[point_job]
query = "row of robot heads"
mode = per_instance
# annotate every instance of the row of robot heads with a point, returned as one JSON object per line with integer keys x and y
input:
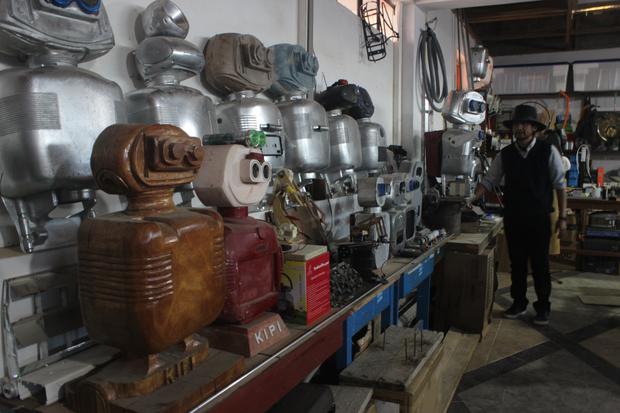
{"x": 79, "y": 31}
{"x": 52, "y": 32}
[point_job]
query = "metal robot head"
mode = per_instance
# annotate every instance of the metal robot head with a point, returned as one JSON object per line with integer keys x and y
{"x": 237, "y": 62}
{"x": 78, "y": 30}
{"x": 295, "y": 69}
{"x": 464, "y": 108}
{"x": 176, "y": 57}
{"x": 164, "y": 18}
{"x": 131, "y": 159}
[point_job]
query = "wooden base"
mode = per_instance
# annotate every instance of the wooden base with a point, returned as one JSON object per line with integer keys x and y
{"x": 248, "y": 339}
{"x": 405, "y": 377}
{"x": 178, "y": 381}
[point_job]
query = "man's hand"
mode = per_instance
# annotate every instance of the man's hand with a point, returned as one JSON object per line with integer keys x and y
{"x": 561, "y": 227}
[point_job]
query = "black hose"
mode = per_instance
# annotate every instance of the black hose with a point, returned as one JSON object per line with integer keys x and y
{"x": 430, "y": 61}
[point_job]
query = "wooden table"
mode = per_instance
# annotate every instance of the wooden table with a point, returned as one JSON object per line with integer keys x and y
{"x": 584, "y": 205}
{"x": 466, "y": 283}
{"x": 402, "y": 276}
{"x": 276, "y": 371}
{"x": 475, "y": 236}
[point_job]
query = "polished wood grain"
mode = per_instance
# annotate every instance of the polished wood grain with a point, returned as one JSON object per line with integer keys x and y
{"x": 151, "y": 275}
{"x": 182, "y": 381}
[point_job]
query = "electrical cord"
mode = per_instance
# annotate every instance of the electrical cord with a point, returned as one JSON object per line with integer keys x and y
{"x": 432, "y": 66}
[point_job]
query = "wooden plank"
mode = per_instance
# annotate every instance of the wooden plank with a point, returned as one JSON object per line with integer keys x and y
{"x": 608, "y": 300}
{"x": 472, "y": 243}
{"x": 600, "y": 291}
{"x": 421, "y": 395}
{"x": 587, "y": 203}
{"x": 475, "y": 237}
{"x": 350, "y": 399}
{"x": 401, "y": 360}
{"x": 591, "y": 253}
{"x": 457, "y": 353}
{"x": 216, "y": 372}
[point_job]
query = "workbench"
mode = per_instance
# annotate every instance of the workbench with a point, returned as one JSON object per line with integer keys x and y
{"x": 275, "y": 371}
{"x": 271, "y": 374}
{"x": 475, "y": 236}
{"x": 403, "y": 275}
{"x": 584, "y": 206}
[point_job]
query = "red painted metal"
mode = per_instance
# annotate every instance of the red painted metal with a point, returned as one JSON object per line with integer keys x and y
{"x": 253, "y": 266}
{"x": 262, "y": 392}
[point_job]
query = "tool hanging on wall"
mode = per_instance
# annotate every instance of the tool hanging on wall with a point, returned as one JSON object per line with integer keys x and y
{"x": 432, "y": 69}
{"x": 377, "y": 24}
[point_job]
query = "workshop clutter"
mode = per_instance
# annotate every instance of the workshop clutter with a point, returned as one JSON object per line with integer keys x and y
{"x": 172, "y": 286}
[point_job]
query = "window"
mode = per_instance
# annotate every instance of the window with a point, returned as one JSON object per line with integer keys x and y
{"x": 388, "y": 5}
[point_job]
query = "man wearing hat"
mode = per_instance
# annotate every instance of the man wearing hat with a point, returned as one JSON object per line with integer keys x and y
{"x": 532, "y": 170}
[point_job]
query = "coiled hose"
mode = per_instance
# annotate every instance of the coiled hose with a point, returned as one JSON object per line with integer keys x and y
{"x": 430, "y": 62}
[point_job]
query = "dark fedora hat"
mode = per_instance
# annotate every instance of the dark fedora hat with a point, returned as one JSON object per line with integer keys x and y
{"x": 525, "y": 114}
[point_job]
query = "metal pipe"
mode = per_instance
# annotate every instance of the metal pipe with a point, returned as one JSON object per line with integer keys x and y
{"x": 593, "y": 9}
{"x": 310, "y": 27}
{"x": 202, "y": 407}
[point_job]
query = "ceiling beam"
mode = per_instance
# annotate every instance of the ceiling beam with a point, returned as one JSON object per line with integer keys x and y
{"x": 514, "y": 15}
{"x": 489, "y": 38}
{"x": 427, "y": 5}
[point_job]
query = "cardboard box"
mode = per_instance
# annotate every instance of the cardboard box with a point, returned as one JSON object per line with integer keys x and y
{"x": 308, "y": 269}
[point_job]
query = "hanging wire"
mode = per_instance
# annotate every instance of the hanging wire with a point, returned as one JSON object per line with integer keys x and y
{"x": 432, "y": 67}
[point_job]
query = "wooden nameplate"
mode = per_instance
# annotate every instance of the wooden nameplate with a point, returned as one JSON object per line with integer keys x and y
{"x": 176, "y": 383}
{"x": 248, "y": 339}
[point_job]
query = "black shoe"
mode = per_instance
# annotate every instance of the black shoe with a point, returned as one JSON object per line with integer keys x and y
{"x": 515, "y": 311}
{"x": 542, "y": 318}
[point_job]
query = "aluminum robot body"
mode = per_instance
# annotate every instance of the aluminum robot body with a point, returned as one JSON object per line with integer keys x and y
{"x": 163, "y": 61}
{"x": 243, "y": 112}
{"x": 307, "y": 143}
{"x": 305, "y": 121}
{"x": 344, "y": 135}
{"x": 372, "y": 136}
{"x": 52, "y": 116}
{"x": 52, "y": 112}
{"x": 177, "y": 105}
{"x": 460, "y": 162}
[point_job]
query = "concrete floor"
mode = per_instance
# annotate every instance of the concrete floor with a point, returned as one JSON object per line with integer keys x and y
{"x": 572, "y": 365}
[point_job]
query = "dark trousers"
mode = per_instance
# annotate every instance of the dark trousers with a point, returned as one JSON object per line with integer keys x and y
{"x": 528, "y": 240}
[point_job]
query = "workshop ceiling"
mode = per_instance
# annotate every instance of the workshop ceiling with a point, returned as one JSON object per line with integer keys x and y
{"x": 546, "y": 26}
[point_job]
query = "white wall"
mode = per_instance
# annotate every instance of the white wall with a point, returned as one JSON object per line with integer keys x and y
{"x": 338, "y": 44}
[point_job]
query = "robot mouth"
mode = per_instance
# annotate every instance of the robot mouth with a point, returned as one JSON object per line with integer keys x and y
{"x": 87, "y": 6}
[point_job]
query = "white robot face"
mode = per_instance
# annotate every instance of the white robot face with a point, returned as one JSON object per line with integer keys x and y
{"x": 232, "y": 176}
{"x": 465, "y": 108}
